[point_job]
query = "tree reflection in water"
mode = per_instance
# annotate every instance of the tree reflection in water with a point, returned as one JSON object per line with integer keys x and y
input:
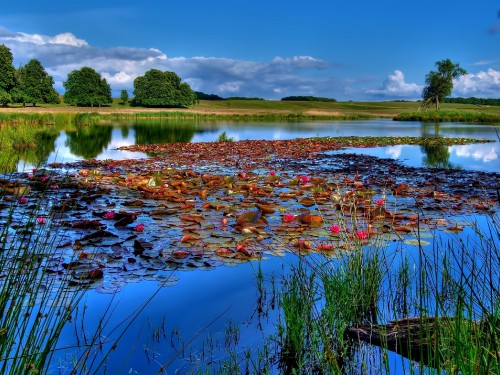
{"x": 89, "y": 141}
{"x": 435, "y": 156}
{"x": 163, "y": 132}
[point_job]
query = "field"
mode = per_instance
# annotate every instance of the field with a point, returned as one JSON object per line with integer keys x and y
{"x": 269, "y": 107}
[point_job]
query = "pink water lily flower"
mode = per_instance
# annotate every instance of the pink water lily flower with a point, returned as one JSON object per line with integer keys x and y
{"x": 23, "y": 200}
{"x": 362, "y": 235}
{"x": 109, "y": 215}
{"x": 272, "y": 173}
{"x": 380, "y": 202}
{"x": 139, "y": 227}
{"x": 304, "y": 179}
{"x": 41, "y": 220}
{"x": 288, "y": 218}
{"x": 335, "y": 229}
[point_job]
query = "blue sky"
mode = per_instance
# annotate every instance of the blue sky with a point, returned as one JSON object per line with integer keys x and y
{"x": 348, "y": 50}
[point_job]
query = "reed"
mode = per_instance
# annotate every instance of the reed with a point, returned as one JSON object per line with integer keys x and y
{"x": 449, "y": 116}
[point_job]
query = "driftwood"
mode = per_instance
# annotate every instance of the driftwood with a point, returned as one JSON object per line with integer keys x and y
{"x": 419, "y": 338}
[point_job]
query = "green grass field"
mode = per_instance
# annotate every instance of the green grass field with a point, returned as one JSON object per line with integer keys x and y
{"x": 305, "y": 109}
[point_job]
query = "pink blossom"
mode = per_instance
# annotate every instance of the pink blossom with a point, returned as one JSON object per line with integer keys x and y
{"x": 54, "y": 187}
{"x": 335, "y": 229}
{"x": 304, "y": 179}
{"x": 288, "y": 218}
{"x": 362, "y": 235}
{"x": 272, "y": 173}
{"x": 30, "y": 175}
{"x": 139, "y": 227}
{"x": 23, "y": 200}
{"x": 380, "y": 202}
{"x": 109, "y": 215}
{"x": 41, "y": 220}
{"x": 45, "y": 178}
{"x": 35, "y": 170}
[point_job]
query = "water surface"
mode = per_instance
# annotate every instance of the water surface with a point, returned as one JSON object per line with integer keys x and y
{"x": 101, "y": 142}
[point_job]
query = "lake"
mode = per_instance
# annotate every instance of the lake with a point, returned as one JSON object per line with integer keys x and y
{"x": 102, "y": 142}
{"x": 214, "y": 313}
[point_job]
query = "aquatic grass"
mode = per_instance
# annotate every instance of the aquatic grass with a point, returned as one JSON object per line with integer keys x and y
{"x": 38, "y": 301}
{"x": 86, "y": 119}
{"x": 443, "y": 301}
{"x": 223, "y": 137}
{"x": 449, "y": 116}
{"x": 34, "y": 307}
{"x": 296, "y": 332}
{"x": 235, "y": 117}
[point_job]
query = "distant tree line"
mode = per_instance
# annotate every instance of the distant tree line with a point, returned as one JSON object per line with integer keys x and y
{"x": 306, "y": 99}
{"x": 473, "y": 100}
{"x": 202, "y": 96}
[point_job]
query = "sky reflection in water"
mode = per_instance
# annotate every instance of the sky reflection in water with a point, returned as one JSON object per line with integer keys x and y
{"x": 484, "y": 157}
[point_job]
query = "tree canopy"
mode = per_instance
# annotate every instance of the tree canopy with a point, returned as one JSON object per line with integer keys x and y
{"x": 86, "y": 87}
{"x": 7, "y": 75}
{"x": 440, "y": 83}
{"x": 162, "y": 89}
{"x": 34, "y": 85}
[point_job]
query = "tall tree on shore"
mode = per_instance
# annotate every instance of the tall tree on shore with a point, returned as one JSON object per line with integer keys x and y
{"x": 440, "y": 83}
{"x": 86, "y": 87}
{"x": 162, "y": 89}
{"x": 35, "y": 85}
{"x": 124, "y": 97}
{"x": 7, "y": 75}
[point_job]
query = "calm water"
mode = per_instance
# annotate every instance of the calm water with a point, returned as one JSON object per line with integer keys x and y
{"x": 225, "y": 296}
{"x": 101, "y": 142}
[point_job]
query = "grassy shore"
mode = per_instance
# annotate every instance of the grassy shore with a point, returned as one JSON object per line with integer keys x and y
{"x": 278, "y": 110}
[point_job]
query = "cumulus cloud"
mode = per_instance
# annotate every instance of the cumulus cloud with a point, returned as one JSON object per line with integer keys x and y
{"x": 481, "y": 84}
{"x": 394, "y": 151}
{"x": 395, "y": 87}
{"x": 281, "y": 76}
{"x": 65, "y": 38}
{"x": 482, "y": 152}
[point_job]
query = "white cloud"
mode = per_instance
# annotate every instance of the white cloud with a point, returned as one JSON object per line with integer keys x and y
{"x": 482, "y": 152}
{"x": 120, "y": 78}
{"x": 65, "y": 38}
{"x": 394, "y": 151}
{"x": 395, "y": 87}
{"x": 231, "y": 87}
{"x": 68, "y": 39}
{"x": 481, "y": 84}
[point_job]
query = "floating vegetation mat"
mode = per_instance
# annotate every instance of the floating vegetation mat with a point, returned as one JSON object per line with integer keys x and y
{"x": 204, "y": 205}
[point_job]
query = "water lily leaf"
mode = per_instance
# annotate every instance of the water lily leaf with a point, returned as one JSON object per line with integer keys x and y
{"x": 85, "y": 224}
{"x": 192, "y": 218}
{"x": 135, "y": 203}
{"x": 417, "y": 242}
{"x": 249, "y": 217}
{"x": 307, "y": 202}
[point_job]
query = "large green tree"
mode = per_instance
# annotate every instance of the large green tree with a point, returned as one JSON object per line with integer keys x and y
{"x": 7, "y": 75}
{"x": 35, "y": 85}
{"x": 440, "y": 83}
{"x": 86, "y": 87}
{"x": 162, "y": 89}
